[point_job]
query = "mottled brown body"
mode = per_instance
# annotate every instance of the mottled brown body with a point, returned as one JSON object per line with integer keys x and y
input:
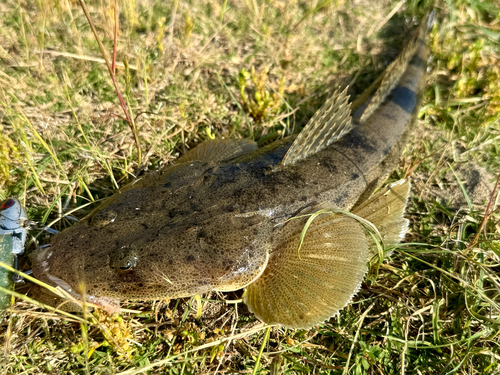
{"x": 198, "y": 226}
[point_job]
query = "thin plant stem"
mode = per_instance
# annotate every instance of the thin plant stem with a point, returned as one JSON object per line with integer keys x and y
{"x": 487, "y": 215}
{"x": 264, "y": 342}
{"x": 115, "y": 37}
{"x": 111, "y": 68}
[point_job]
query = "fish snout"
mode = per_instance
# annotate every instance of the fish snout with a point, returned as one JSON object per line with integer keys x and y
{"x": 44, "y": 270}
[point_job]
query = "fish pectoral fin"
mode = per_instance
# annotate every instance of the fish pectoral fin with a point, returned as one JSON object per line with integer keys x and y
{"x": 219, "y": 150}
{"x": 385, "y": 210}
{"x": 303, "y": 287}
{"x": 329, "y": 124}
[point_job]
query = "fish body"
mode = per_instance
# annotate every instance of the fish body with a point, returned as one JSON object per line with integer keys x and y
{"x": 12, "y": 238}
{"x": 228, "y": 215}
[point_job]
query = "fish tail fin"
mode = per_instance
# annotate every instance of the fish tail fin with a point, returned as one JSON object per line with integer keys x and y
{"x": 313, "y": 272}
{"x": 330, "y": 123}
{"x": 386, "y": 210}
{"x": 394, "y": 72}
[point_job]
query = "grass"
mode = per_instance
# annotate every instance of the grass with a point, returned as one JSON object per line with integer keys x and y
{"x": 189, "y": 71}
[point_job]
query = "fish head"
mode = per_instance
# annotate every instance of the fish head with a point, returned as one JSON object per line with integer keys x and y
{"x": 126, "y": 251}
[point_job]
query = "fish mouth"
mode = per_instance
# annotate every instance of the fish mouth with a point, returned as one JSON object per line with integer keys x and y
{"x": 111, "y": 305}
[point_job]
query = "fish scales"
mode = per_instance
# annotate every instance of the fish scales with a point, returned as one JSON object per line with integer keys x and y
{"x": 212, "y": 224}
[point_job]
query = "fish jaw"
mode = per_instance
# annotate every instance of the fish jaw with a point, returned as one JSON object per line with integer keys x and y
{"x": 111, "y": 305}
{"x": 42, "y": 269}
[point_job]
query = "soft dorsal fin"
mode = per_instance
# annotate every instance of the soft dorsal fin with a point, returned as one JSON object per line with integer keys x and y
{"x": 392, "y": 75}
{"x": 385, "y": 210}
{"x": 302, "y": 288}
{"x": 219, "y": 150}
{"x": 330, "y": 123}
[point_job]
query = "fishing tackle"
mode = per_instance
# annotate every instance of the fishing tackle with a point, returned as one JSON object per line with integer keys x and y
{"x": 13, "y": 232}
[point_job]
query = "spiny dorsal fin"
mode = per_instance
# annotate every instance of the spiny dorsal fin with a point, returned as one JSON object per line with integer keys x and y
{"x": 392, "y": 76}
{"x": 385, "y": 210}
{"x": 330, "y": 123}
{"x": 302, "y": 288}
{"x": 219, "y": 150}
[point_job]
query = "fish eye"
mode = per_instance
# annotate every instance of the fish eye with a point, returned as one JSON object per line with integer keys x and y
{"x": 103, "y": 218}
{"x": 8, "y": 203}
{"x": 123, "y": 261}
{"x": 126, "y": 267}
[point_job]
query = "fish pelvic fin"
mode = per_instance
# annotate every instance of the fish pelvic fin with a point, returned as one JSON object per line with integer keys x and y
{"x": 385, "y": 210}
{"x": 329, "y": 124}
{"x": 219, "y": 150}
{"x": 394, "y": 72}
{"x": 313, "y": 272}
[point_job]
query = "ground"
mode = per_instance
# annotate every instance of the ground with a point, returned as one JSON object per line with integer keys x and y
{"x": 194, "y": 70}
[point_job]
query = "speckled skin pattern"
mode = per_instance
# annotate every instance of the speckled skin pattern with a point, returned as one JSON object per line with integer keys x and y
{"x": 200, "y": 226}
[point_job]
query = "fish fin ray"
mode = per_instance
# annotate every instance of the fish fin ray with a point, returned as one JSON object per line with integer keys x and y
{"x": 392, "y": 75}
{"x": 219, "y": 150}
{"x": 300, "y": 297}
{"x": 329, "y": 124}
{"x": 385, "y": 210}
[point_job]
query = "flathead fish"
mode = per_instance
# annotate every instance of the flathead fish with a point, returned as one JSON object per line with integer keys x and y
{"x": 227, "y": 215}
